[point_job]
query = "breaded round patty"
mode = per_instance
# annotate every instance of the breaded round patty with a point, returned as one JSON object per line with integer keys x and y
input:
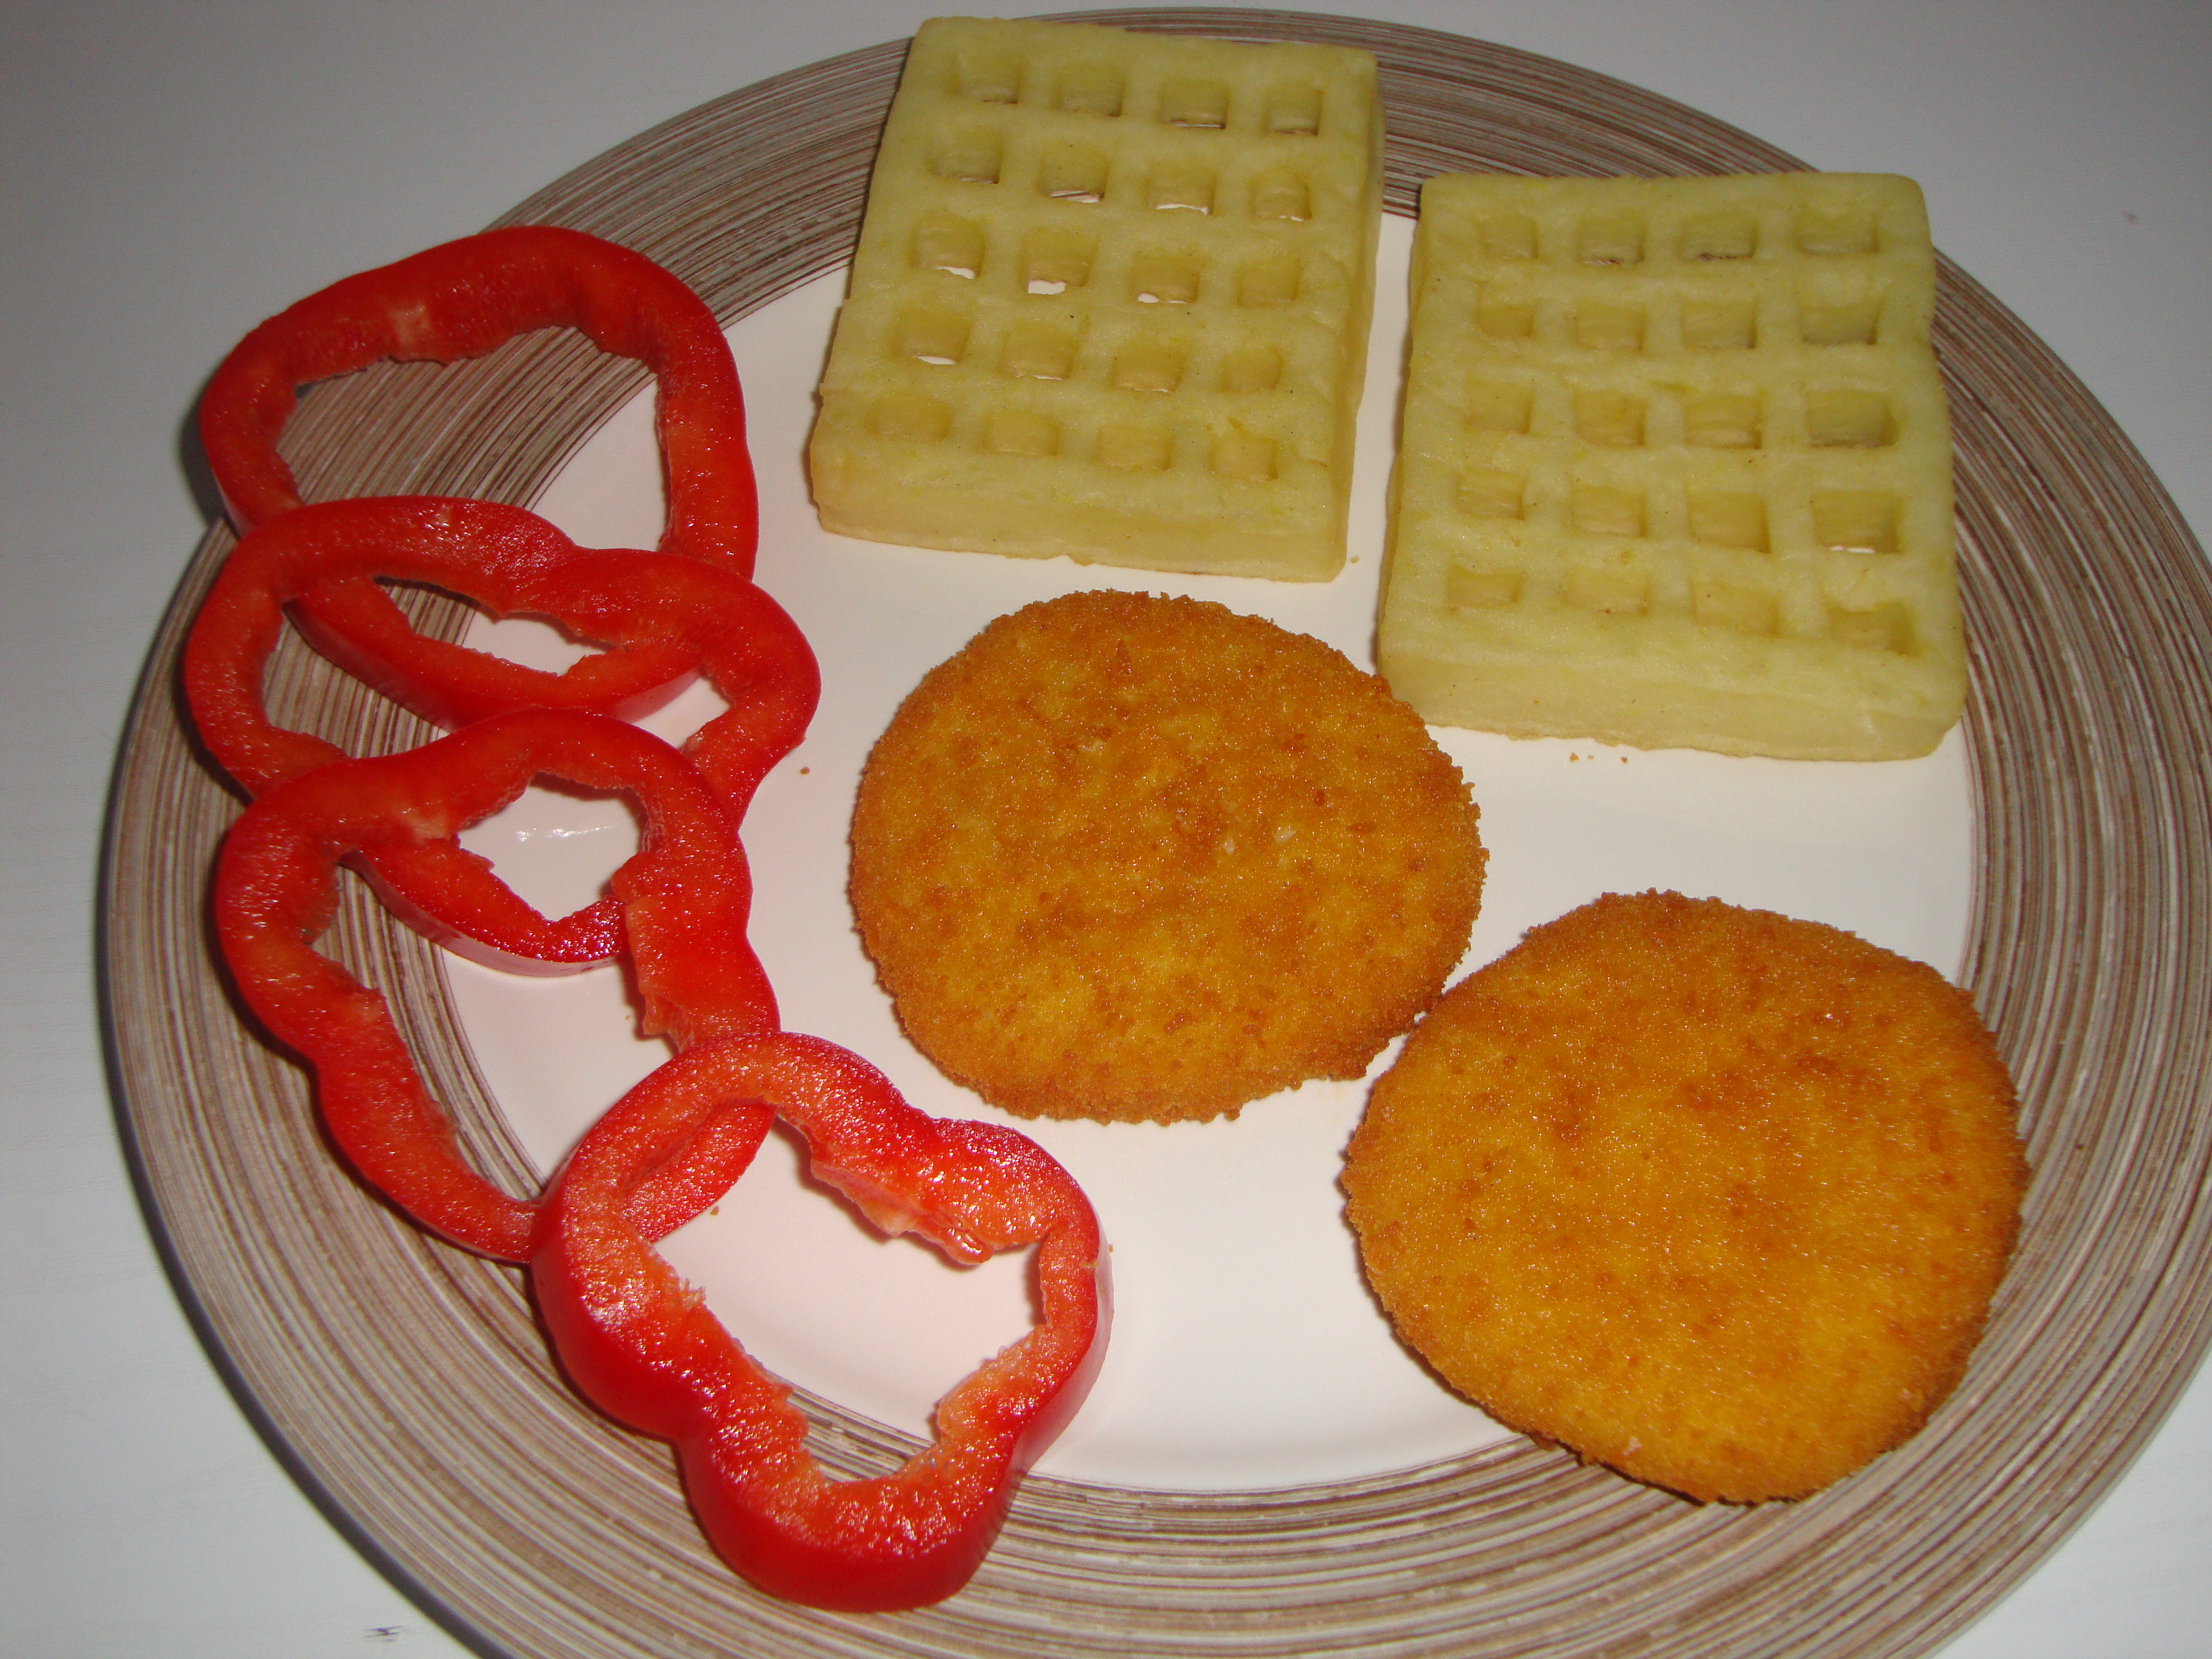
{"x": 1711, "y": 1196}
{"x": 1126, "y": 857}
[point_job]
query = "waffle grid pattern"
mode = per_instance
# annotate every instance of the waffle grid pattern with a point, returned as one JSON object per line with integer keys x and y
{"x": 1110, "y": 299}
{"x": 1676, "y": 466}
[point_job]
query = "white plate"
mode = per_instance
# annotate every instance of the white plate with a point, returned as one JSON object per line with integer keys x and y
{"x": 1247, "y": 1351}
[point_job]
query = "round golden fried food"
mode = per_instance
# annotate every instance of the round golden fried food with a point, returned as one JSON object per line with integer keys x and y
{"x": 1709, "y": 1195}
{"x": 1133, "y": 857}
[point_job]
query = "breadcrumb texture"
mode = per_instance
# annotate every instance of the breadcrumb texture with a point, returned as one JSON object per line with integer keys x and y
{"x": 1134, "y": 858}
{"x": 1709, "y": 1195}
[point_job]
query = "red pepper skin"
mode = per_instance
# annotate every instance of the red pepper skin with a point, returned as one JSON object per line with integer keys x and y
{"x": 668, "y": 617}
{"x": 462, "y": 298}
{"x": 683, "y": 895}
{"x": 640, "y": 1343}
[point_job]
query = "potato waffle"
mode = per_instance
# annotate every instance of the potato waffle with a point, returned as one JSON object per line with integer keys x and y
{"x": 1111, "y": 301}
{"x": 1676, "y": 467}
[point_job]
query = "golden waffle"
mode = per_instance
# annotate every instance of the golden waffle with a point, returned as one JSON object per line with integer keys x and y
{"x": 1111, "y": 301}
{"x": 1676, "y": 467}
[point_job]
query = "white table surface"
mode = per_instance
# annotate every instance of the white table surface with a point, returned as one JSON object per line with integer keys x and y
{"x": 173, "y": 173}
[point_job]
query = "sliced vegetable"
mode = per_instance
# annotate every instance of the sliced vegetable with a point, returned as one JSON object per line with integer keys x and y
{"x": 683, "y": 897}
{"x": 642, "y": 1346}
{"x": 667, "y": 617}
{"x": 464, "y": 299}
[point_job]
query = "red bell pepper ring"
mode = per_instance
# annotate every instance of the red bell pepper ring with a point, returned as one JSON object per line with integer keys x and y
{"x": 684, "y": 894}
{"x": 462, "y": 299}
{"x": 664, "y": 615}
{"x": 640, "y": 1345}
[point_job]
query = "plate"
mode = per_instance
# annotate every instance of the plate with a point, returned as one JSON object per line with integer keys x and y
{"x": 406, "y": 1384}
{"x": 1265, "y": 1365}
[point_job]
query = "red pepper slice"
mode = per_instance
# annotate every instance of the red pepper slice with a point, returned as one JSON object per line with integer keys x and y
{"x": 684, "y": 894}
{"x": 462, "y": 299}
{"x": 631, "y": 1335}
{"x": 638, "y": 1343}
{"x": 664, "y": 614}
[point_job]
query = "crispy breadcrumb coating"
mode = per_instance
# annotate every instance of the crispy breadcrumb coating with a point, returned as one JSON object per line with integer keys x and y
{"x": 1126, "y": 857}
{"x": 1711, "y": 1196}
